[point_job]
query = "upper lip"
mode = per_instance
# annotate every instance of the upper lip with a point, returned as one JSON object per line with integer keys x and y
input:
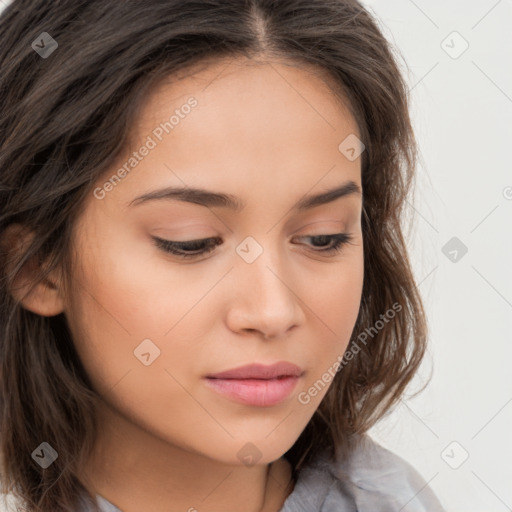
{"x": 259, "y": 371}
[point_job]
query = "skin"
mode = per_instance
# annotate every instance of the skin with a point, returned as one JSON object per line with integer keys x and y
{"x": 267, "y": 132}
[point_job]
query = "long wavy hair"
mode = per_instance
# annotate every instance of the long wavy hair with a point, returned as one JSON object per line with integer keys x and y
{"x": 64, "y": 120}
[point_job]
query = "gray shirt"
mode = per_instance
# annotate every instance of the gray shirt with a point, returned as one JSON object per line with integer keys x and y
{"x": 372, "y": 479}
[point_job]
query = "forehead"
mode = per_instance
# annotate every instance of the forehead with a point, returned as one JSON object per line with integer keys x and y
{"x": 271, "y": 128}
{"x": 269, "y": 92}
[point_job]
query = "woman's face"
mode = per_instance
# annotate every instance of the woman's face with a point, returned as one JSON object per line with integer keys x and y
{"x": 152, "y": 328}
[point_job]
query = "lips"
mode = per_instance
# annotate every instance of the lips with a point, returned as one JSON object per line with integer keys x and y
{"x": 256, "y": 384}
{"x": 260, "y": 371}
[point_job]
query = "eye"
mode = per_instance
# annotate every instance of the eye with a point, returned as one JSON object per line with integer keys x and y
{"x": 336, "y": 241}
{"x": 196, "y": 248}
{"x": 188, "y": 249}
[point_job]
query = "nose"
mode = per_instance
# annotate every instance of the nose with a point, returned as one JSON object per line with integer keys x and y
{"x": 266, "y": 298}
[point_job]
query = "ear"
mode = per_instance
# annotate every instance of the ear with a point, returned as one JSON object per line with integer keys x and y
{"x": 45, "y": 298}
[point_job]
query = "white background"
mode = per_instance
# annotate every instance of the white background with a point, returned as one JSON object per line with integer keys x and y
{"x": 462, "y": 112}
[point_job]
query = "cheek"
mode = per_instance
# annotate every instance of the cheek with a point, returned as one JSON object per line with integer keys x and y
{"x": 130, "y": 289}
{"x": 335, "y": 305}
{"x": 124, "y": 297}
{"x": 335, "y": 297}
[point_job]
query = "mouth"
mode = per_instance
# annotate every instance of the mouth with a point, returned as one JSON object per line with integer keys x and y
{"x": 255, "y": 384}
{"x": 257, "y": 392}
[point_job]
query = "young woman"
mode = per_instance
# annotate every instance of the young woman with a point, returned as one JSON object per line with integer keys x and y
{"x": 206, "y": 298}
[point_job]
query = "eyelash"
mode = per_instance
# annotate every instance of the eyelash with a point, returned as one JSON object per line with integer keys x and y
{"x": 169, "y": 246}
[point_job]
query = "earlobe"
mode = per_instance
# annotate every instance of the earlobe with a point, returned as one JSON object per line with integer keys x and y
{"x": 45, "y": 298}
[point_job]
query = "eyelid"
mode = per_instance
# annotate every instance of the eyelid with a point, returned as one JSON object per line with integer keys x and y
{"x": 173, "y": 247}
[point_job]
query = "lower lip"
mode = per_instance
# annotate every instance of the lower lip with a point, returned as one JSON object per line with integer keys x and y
{"x": 262, "y": 393}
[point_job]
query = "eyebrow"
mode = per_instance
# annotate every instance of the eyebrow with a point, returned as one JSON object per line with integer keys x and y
{"x": 220, "y": 200}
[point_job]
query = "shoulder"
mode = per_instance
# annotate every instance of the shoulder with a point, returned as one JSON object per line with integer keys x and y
{"x": 370, "y": 479}
{"x": 379, "y": 479}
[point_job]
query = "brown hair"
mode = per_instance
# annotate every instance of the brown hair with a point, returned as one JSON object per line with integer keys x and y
{"x": 64, "y": 119}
